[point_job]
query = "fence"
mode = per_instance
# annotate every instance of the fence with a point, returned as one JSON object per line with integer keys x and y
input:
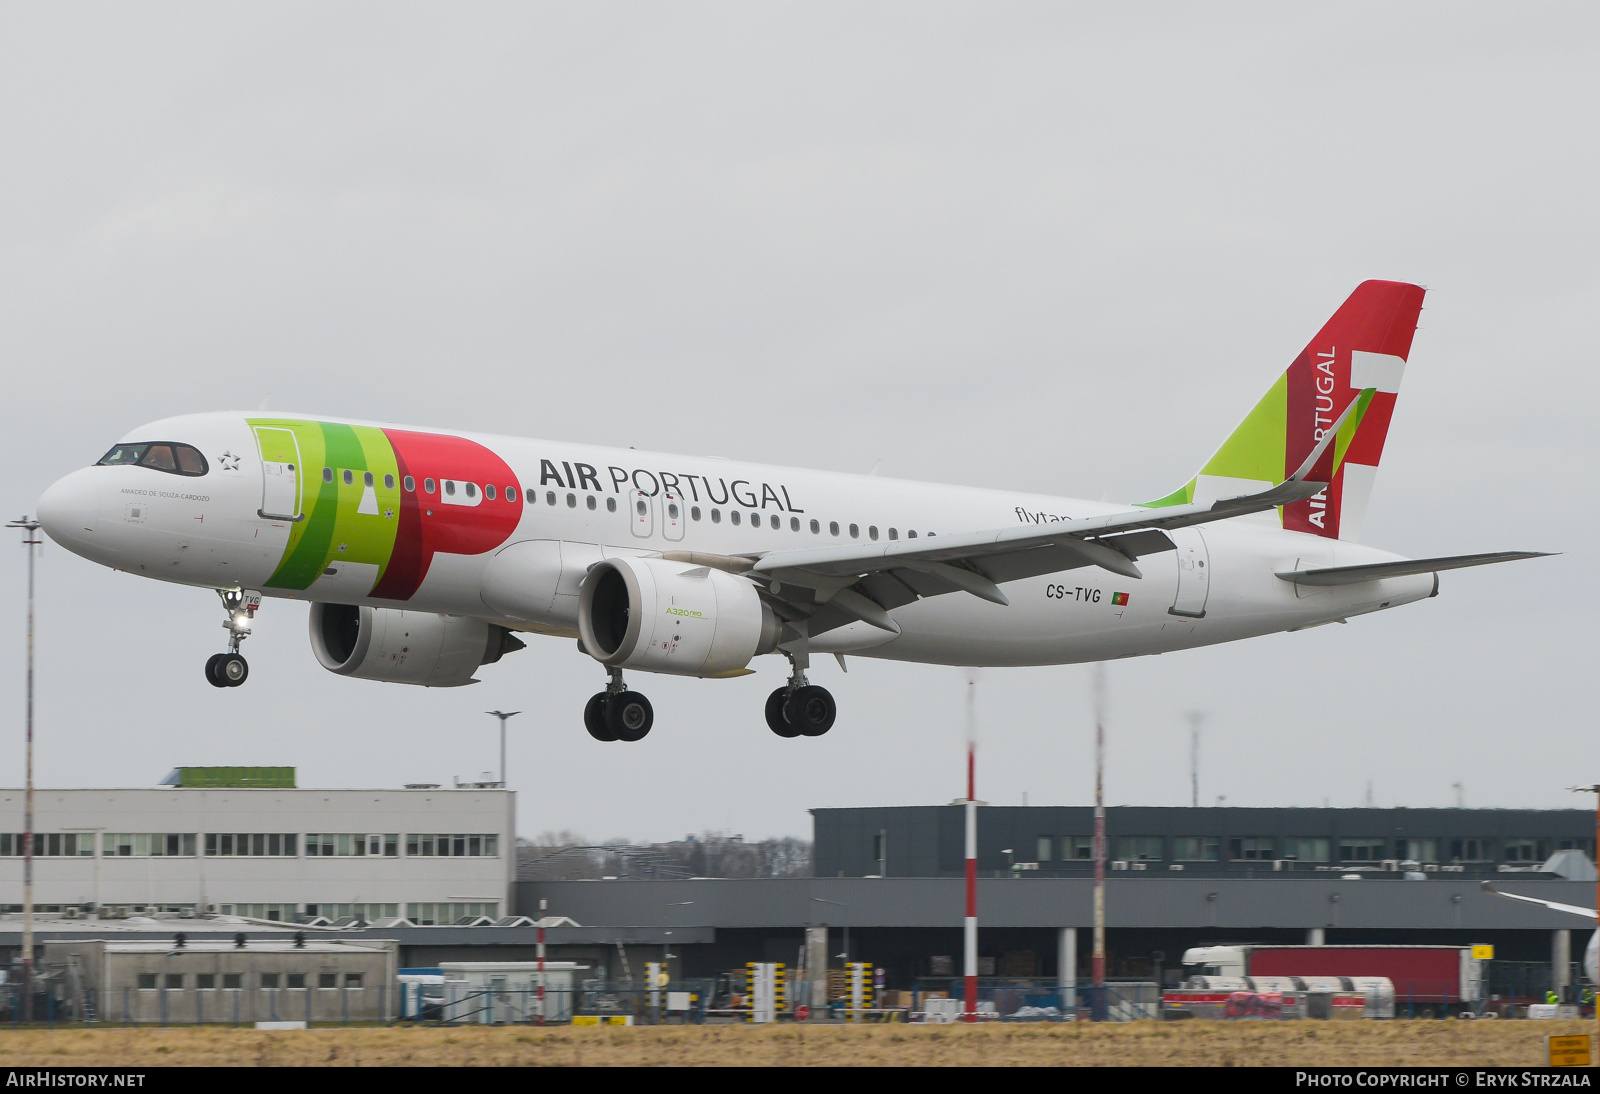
{"x": 1027, "y": 1000}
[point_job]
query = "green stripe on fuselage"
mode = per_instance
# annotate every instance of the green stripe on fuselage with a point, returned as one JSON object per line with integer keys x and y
{"x": 334, "y": 530}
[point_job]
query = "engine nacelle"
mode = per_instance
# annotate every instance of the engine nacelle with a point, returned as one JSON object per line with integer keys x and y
{"x": 660, "y": 616}
{"x": 401, "y": 647}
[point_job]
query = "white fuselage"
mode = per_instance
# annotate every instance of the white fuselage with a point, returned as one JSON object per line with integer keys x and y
{"x": 209, "y": 531}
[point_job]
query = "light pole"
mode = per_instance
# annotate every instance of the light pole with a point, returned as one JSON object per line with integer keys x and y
{"x": 30, "y": 540}
{"x": 503, "y": 715}
{"x": 1595, "y": 790}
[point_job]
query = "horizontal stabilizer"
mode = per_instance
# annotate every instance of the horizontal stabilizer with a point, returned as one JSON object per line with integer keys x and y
{"x": 1352, "y": 575}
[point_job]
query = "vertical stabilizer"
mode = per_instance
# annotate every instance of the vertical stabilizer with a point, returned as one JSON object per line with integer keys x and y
{"x": 1358, "y": 356}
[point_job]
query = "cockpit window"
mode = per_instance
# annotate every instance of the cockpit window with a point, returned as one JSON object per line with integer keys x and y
{"x": 177, "y": 459}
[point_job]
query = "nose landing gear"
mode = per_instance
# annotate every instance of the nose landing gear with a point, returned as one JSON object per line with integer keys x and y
{"x": 617, "y": 714}
{"x": 229, "y": 670}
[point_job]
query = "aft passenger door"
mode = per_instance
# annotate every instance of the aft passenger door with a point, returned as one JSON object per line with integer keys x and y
{"x": 1194, "y": 579}
{"x": 280, "y": 474}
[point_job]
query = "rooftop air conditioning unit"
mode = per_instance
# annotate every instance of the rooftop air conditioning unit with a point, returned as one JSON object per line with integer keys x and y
{"x": 1140, "y": 865}
{"x": 1119, "y": 864}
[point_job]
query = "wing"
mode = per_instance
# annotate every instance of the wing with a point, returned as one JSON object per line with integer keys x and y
{"x": 1570, "y": 909}
{"x": 819, "y": 589}
{"x": 1351, "y": 575}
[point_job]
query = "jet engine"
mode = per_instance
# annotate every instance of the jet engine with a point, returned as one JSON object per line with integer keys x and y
{"x": 660, "y": 616}
{"x": 401, "y": 647}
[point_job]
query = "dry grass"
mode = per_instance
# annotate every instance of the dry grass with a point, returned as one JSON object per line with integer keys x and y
{"x": 1450, "y": 1044}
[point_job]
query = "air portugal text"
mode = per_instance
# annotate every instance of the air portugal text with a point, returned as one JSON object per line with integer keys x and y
{"x": 573, "y": 475}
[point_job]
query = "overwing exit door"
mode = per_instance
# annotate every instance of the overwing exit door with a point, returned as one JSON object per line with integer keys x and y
{"x": 280, "y": 474}
{"x": 1194, "y": 579}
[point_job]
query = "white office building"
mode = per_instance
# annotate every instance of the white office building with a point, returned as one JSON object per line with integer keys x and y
{"x": 432, "y": 855}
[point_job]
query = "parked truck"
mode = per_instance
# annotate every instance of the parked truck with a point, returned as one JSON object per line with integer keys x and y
{"x": 1429, "y": 981}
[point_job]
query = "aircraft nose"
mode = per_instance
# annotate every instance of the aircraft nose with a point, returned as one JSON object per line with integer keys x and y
{"x": 70, "y": 508}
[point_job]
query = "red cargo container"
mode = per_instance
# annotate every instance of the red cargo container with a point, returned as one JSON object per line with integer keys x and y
{"x": 1424, "y": 976}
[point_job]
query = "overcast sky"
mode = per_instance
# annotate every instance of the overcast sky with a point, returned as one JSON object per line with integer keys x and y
{"x": 1048, "y": 246}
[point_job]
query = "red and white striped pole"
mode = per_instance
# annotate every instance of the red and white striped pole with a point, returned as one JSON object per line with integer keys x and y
{"x": 1099, "y": 964}
{"x": 970, "y": 950}
{"x": 543, "y": 904}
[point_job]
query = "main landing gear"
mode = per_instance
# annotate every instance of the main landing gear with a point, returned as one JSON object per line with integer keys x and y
{"x": 617, "y": 714}
{"x": 229, "y": 670}
{"x": 800, "y": 708}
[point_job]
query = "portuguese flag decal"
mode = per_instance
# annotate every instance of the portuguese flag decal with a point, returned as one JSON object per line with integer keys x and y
{"x": 1119, "y": 598}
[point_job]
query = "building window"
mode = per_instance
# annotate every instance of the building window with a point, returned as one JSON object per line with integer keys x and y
{"x": 368, "y": 912}
{"x": 205, "y": 981}
{"x": 352, "y": 980}
{"x": 253, "y": 844}
{"x": 269, "y": 980}
{"x": 1526, "y": 850}
{"x": 1306, "y": 848}
{"x": 1044, "y": 848}
{"x": 435, "y": 915}
{"x": 1077, "y": 848}
{"x": 1469, "y": 850}
{"x": 175, "y": 981}
{"x": 1195, "y": 848}
{"x": 1360, "y": 850}
{"x": 1138, "y": 848}
{"x": 453, "y": 845}
{"x": 1418, "y": 850}
{"x": 297, "y": 980}
{"x": 149, "y": 844}
{"x": 232, "y": 981}
{"x": 48, "y": 844}
{"x": 348, "y": 844}
{"x": 147, "y": 981}
{"x": 1250, "y": 848}
{"x": 328, "y": 980}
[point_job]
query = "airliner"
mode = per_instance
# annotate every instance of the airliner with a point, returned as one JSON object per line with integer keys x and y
{"x": 1591, "y": 952}
{"x": 428, "y": 554}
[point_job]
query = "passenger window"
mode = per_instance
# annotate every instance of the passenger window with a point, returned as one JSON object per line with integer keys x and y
{"x": 159, "y": 457}
{"x": 572, "y": 501}
{"x": 755, "y": 520}
{"x": 349, "y": 477}
{"x": 855, "y": 532}
{"x": 550, "y": 497}
{"x": 893, "y": 534}
{"x": 190, "y": 462}
{"x": 591, "y": 503}
{"x": 450, "y": 488}
{"x": 488, "y": 491}
{"x": 388, "y": 482}
{"x": 794, "y": 524}
{"x": 776, "y": 522}
{"x": 366, "y": 479}
{"x": 833, "y": 527}
{"x": 716, "y": 516}
{"x": 641, "y": 507}
{"x": 410, "y": 484}
{"x": 672, "y": 509}
{"x": 735, "y": 516}
{"x": 471, "y": 489}
{"x": 123, "y": 454}
{"x": 694, "y": 512}
{"x": 816, "y": 527}
{"x": 872, "y": 531}
{"x": 611, "y": 505}
{"x": 427, "y": 486}
{"x": 511, "y": 493}
{"x": 911, "y": 535}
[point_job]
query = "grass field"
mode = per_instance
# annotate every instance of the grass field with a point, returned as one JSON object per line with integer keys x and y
{"x": 1446, "y": 1044}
